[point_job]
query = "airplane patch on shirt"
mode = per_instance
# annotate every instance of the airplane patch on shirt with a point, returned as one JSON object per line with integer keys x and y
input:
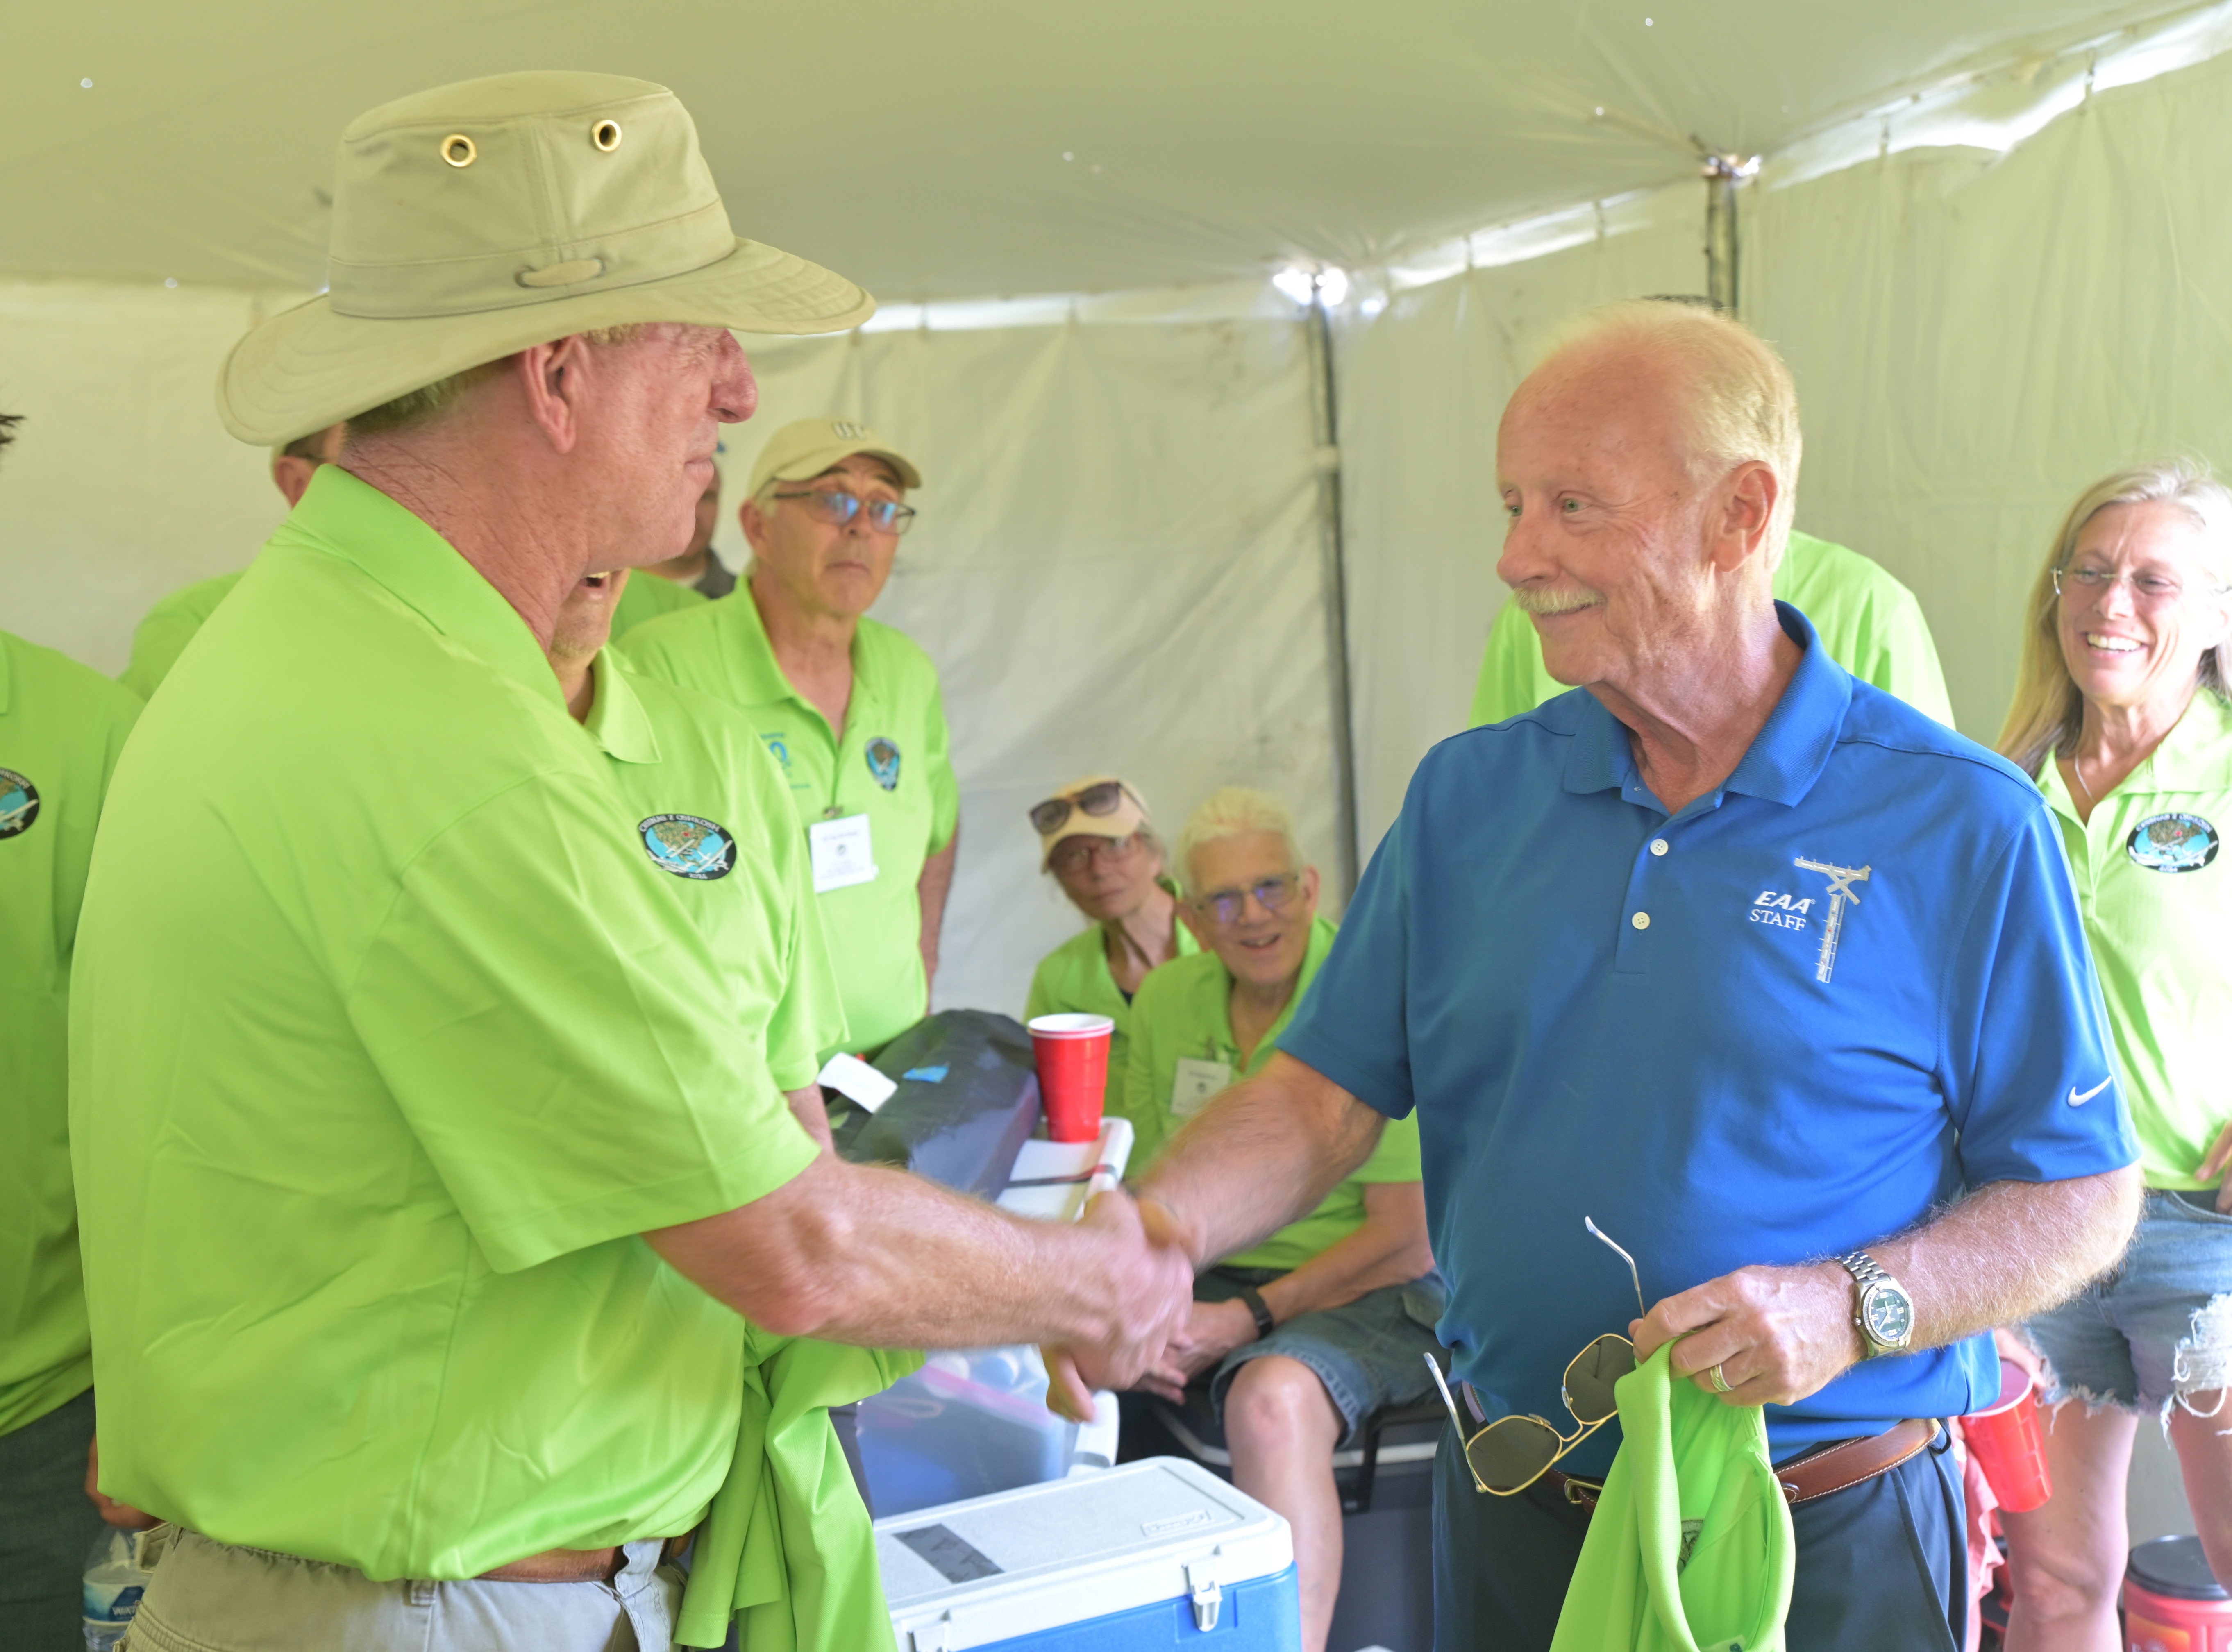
{"x": 884, "y": 762}
{"x": 689, "y": 845}
{"x": 19, "y": 804}
{"x": 2172, "y": 843}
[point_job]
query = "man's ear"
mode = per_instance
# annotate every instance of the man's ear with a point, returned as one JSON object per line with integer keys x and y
{"x": 1199, "y": 929}
{"x": 1746, "y": 508}
{"x": 752, "y": 520}
{"x": 555, "y": 380}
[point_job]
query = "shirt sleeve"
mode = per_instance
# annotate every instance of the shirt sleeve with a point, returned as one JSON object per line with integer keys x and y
{"x": 550, "y": 1023}
{"x": 808, "y": 1021}
{"x": 944, "y": 790}
{"x": 1396, "y": 1158}
{"x": 1145, "y": 1095}
{"x": 1350, "y": 1025}
{"x": 1904, "y": 656}
{"x": 2029, "y": 1061}
{"x": 1512, "y": 677}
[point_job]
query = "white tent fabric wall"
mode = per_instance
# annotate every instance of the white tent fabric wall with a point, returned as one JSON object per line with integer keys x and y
{"x": 1117, "y": 568}
{"x": 1975, "y": 338}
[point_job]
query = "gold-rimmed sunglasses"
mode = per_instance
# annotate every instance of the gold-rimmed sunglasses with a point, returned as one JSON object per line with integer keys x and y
{"x": 1511, "y": 1453}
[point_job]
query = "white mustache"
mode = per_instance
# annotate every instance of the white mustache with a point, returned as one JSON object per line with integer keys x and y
{"x": 1535, "y": 601}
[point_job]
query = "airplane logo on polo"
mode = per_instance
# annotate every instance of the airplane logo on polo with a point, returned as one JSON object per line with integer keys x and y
{"x": 19, "y": 804}
{"x": 1781, "y": 911}
{"x": 1841, "y": 895}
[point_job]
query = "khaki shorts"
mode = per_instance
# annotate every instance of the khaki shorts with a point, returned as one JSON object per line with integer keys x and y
{"x": 211, "y": 1597}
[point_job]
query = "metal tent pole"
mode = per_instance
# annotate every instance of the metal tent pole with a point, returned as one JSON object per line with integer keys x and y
{"x": 1325, "y": 407}
{"x": 1723, "y": 261}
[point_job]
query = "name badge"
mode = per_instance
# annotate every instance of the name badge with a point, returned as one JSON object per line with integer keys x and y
{"x": 1196, "y": 1083}
{"x": 841, "y": 852}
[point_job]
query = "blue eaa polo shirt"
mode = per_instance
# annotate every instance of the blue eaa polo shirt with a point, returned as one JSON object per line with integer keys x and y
{"x": 1786, "y": 1022}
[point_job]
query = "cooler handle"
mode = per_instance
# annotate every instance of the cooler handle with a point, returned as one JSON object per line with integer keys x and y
{"x": 1208, "y": 1593}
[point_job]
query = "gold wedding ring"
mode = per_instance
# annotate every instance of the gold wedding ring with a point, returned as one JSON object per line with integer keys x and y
{"x": 1721, "y": 1382}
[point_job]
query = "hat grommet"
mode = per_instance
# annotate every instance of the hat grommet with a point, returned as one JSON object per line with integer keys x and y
{"x": 605, "y": 134}
{"x": 459, "y": 149}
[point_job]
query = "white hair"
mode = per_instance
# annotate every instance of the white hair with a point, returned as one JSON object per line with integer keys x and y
{"x": 1230, "y": 811}
{"x": 1741, "y": 404}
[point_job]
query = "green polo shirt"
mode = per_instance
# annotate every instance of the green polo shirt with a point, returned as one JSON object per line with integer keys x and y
{"x": 1074, "y": 980}
{"x": 62, "y": 726}
{"x": 647, "y": 597}
{"x": 891, "y": 766}
{"x": 1182, "y": 1046}
{"x": 1869, "y": 622}
{"x": 167, "y": 628}
{"x": 675, "y": 751}
{"x": 2156, "y": 889}
{"x": 393, "y": 1028}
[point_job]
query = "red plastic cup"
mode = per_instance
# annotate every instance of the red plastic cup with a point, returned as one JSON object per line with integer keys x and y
{"x": 2005, "y": 1441}
{"x": 1073, "y": 1057}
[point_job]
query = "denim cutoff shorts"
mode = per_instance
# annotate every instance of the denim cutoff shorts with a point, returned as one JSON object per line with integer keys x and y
{"x": 1369, "y": 1353}
{"x": 2157, "y": 1329}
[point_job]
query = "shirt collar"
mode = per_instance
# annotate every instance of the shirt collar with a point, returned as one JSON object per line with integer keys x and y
{"x": 1785, "y": 758}
{"x": 763, "y": 679}
{"x": 351, "y": 519}
{"x": 616, "y": 721}
{"x": 2193, "y": 755}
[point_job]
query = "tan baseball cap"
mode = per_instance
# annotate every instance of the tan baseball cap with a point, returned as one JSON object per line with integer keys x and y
{"x": 477, "y": 219}
{"x": 1099, "y": 805}
{"x": 806, "y": 447}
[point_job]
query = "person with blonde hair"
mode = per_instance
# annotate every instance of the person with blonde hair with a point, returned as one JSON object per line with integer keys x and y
{"x": 2120, "y": 713}
{"x": 1097, "y": 843}
{"x": 1302, "y": 1335}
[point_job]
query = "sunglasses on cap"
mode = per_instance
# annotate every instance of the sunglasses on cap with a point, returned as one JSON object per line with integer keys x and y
{"x": 1098, "y": 801}
{"x": 1511, "y": 1453}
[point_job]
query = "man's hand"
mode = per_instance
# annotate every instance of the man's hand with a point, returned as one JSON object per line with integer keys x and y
{"x": 1778, "y": 1334}
{"x": 117, "y": 1514}
{"x": 1154, "y": 1299}
{"x": 1211, "y": 1330}
{"x": 2219, "y": 1159}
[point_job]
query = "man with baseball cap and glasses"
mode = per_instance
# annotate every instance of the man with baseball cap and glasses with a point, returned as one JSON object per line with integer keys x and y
{"x": 1095, "y": 839}
{"x": 849, "y": 708}
{"x": 422, "y": 1171}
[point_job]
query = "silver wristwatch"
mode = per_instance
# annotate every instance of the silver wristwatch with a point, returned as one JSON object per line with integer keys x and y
{"x": 1882, "y": 1309}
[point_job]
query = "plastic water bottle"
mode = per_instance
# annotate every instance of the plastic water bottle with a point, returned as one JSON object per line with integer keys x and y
{"x": 113, "y": 1583}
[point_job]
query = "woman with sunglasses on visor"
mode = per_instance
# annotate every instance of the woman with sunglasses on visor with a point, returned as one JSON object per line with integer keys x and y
{"x": 2120, "y": 713}
{"x": 1300, "y": 1338}
{"x": 1095, "y": 839}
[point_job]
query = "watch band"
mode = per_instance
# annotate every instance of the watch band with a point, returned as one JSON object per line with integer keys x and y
{"x": 1265, "y": 1324}
{"x": 1863, "y": 1268}
{"x": 1866, "y": 1272}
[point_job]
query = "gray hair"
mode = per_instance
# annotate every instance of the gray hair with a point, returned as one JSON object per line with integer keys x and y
{"x": 416, "y": 409}
{"x": 2048, "y": 709}
{"x": 1230, "y": 811}
{"x": 1742, "y": 403}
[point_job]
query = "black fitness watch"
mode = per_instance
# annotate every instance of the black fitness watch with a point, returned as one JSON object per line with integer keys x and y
{"x": 1265, "y": 1324}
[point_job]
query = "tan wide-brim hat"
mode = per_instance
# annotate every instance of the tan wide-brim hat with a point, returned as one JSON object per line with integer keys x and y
{"x": 805, "y": 447}
{"x": 477, "y": 219}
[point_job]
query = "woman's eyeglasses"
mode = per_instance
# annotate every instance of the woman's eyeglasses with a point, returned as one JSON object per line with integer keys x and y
{"x": 1511, "y": 1453}
{"x": 1079, "y": 853}
{"x": 1224, "y": 906}
{"x": 835, "y": 505}
{"x": 1100, "y": 800}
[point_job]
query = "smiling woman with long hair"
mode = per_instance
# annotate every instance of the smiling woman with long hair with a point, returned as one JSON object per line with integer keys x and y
{"x": 2120, "y": 713}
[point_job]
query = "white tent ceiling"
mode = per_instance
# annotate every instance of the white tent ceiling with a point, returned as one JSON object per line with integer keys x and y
{"x": 979, "y": 149}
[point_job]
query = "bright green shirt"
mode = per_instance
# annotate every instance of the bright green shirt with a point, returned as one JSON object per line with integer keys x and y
{"x": 646, "y": 597}
{"x": 2155, "y": 890}
{"x": 392, "y": 1031}
{"x": 62, "y": 726}
{"x": 1869, "y": 622}
{"x": 1074, "y": 980}
{"x": 891, "y": 766}
{"x": 675, "y": 751}
{"x": 1182, "y": 1053}
{"x": 167, "y": 628}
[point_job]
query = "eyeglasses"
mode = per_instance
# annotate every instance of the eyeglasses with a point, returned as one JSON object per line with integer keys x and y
{"x": 1511, "y": 1453}
{"x": 1076, "y": 857}
{"x": 2149, "y": 591}
{"x": 1224, "y": 906}
{"x": 835, "y": 505}
{"x": 1097, "y": 799}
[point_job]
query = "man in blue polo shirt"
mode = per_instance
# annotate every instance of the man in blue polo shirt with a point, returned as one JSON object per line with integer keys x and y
{"x": 1751, "y": 963}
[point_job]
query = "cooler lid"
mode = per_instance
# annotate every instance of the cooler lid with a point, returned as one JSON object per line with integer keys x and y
{"x": 969, "y": 1574}
{"x": 2176, "y": 1567}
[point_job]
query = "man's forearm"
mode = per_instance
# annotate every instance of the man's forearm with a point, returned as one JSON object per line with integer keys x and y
{"x": 1262, "y": 1154}
{"x": 812, "y": 1112}
{"x": 2009, "y": 1250}
{"x": 930, "y": 890}
{"x": 863, "y": 1255}
{"x": 1377, "y": 1253}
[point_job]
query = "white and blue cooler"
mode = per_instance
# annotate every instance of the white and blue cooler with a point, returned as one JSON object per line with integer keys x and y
{"x": 1160, "y": 1553}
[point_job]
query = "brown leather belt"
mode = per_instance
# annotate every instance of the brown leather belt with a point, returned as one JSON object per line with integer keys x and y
{"x": 576, "y": 1565}
{"x": 1817, "y": 1474}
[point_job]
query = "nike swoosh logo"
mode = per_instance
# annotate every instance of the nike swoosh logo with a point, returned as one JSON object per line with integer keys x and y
{"x": 2076, "y": 1100}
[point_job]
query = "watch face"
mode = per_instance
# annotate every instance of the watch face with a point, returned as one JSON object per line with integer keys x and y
{"x": 1888, "y": 1315}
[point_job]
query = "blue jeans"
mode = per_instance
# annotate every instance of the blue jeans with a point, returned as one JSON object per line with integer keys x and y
{"x": 2160, "y": 1326}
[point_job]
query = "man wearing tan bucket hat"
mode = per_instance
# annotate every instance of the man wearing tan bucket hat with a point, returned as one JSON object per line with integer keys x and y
{"x": 422, "y": 1174}
{"x": 849, "y": 708}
